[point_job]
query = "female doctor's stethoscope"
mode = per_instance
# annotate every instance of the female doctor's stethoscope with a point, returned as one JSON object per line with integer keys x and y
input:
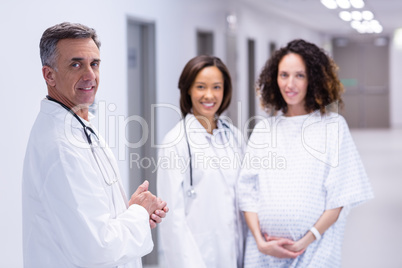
{"x": 191, "y": 192}
{"x": 89, "y": 134}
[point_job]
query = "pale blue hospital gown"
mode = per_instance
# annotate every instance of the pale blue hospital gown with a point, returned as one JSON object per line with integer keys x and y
{"x": 296, "y": 168}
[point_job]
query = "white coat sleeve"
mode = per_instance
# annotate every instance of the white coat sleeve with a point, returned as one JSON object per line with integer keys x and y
{"x": 80, "y": 213}
{"x": 178, "y": 247}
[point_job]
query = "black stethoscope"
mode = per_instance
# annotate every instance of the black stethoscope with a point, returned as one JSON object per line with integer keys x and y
{"x": 191, "y": 193}
{"x": 89, "y": 132}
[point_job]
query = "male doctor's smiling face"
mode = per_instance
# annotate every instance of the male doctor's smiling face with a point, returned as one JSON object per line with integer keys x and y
{"x": 75, "y": 77}
{"x": 207, "y": 91}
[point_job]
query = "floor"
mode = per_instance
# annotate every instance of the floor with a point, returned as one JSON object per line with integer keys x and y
{"x": 373, "y": 236}
{"x": 373, "y": 233}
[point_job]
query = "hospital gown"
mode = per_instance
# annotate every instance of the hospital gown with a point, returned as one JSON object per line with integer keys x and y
{"x": 296, "y": 168}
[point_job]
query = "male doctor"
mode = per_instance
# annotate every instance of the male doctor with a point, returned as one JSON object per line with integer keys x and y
{"x": 75, "y": 212}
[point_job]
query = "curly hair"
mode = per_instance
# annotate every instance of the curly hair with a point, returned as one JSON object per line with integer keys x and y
{"x": 190, "y": 72}
{"x": 324, "y": 87}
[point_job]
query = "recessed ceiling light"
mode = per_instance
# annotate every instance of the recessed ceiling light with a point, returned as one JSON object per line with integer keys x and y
{"x": 374, "y": 22}
{"x": 357, "y": 3}
{"x": 356, "y": 15}
{"x": 331, "y": 4}
{"x": 367, "y": 15}
{"x": 345, "y": 15}
{"x": 377, "y": 28}
{"x": 355, "y": 24}
{"x": 345, "y": 4}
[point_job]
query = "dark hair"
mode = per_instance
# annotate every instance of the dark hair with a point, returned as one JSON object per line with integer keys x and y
{"x": 65, "y": 30}
{"x": 324, "y": 87}
{"x": 190, "y": 72}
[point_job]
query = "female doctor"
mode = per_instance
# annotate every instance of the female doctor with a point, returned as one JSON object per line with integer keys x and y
{"x": 204, "y": 228}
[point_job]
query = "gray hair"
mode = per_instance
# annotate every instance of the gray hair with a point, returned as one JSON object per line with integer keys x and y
{"x": 65, "y": 30}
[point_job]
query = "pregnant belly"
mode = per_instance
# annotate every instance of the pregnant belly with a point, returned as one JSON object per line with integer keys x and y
{"x": 289, "y": 217}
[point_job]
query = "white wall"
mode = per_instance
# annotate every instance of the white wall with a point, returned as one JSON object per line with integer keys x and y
{"x": 22, "y": 87}
{"x": 396, "y": 80}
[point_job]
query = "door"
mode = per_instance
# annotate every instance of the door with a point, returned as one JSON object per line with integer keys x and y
{"x": 252, "y": 98}
{"x": 141, "y": 95}
{"x": 205, "y": 43}
{"x": 364, "y": 71}
{"x": 234, "y": 110}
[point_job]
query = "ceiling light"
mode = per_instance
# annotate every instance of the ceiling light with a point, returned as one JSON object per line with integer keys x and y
{"x": 331, "y": 4}
{"x": 377, "y": 28}
{"x": 368, "y": 27}
{"x": 361, "y": 21}
{"x": 364, "y": 27}
{"x": 345, "y": 4}
{"x": 231, "y": 19}
{"x": 355, "y": 24}
{"x": 345, "y": 15}
{"x": 374, "y": 22}
{"x": 357, "y": 3}
{"x": 356, "y": 15}
{"x": 367, "y": 15}
{"x": 361, "y": 29}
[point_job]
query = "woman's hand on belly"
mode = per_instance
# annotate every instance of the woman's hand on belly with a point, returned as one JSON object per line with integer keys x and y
{"x": 302, "y": 243}
{"x": 275, "y": 246}
{"x": 325, "y": 221}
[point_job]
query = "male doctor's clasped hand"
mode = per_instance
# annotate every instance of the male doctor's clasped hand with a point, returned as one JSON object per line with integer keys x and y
{"x": 75, "y": 211}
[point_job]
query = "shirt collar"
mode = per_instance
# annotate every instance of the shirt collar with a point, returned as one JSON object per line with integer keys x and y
{"x": 194, "y": 126}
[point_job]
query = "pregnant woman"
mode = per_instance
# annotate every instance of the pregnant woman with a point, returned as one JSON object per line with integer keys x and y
{"x": 296, "y": 209}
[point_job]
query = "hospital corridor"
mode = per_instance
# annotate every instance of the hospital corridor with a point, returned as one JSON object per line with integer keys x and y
{"x": 146, "y": 48}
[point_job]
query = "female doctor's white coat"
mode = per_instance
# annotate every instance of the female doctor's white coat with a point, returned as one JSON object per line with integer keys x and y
{"x": 205, "y": 231}
{"x": 71, "y": 217}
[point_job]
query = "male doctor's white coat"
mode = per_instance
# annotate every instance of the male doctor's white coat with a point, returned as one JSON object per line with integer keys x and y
{"x": 205, "y": 231}
{"x": 71, "y": 217}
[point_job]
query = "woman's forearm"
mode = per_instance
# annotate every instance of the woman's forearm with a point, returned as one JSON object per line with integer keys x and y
{"x": 325, "y": 221}
{"x": 254, "y": 225}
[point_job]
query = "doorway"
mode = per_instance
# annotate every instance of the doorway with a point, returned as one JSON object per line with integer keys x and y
{"x": 141, "y": 75}
{"x": 205, "y": 43}
{"x": 234, "y": 109}
{"x": 251, "y": 85}
{"x": 364, "y": 71}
